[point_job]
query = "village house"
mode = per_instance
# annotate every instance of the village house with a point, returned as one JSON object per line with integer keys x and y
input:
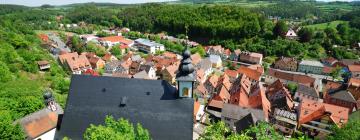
{"x": 211, "y": 83}
{"x": 109, "y": 58}
{"x": 234, "y": 56}
{"x": 239, "y": 118}
{"x": 253, "y": 74}
{"x": 205, "y": 64}
{"x": 41, "y": 125}
{"x": 311, "y": 66}
{"x": 97, "y": 63}
{"x": 110, "y": 41}
{"x": 233, "y": 74}
{"x": 198, "y": 111}
{"x": 43, "y": 65}
{"x": 344, "y": 63}
{"x": 290, "y": 34}
{"x": 196, "y": 58}
{"x": 215, "y": 50}
{"x": 169, "y": 73}
{"x": 354, "y": 89}
{"x": 215, "y": 61}
{"x": 354, "y": 70}
{"x": 89, "y": 37}
{"x": 304, "y": 91}
{"x": 316, "y": 118}
{"x": 286, "y": 63}
{"x": 201, "y": 91}
{"x": 250, "y": 57}
{"x": 329, "y": 61}
{"x": 148, "y": 46}
{"x": 134, "y": 67}
{"x": 74, "y": 62}
{"x": 285, "y": 121}
{"x": 146, "y": 72}
{"x": 279, "y": 96}
{"x": 340, "y": 95}
{"x": 91, "y": 72}
{"x": 200, "y": 76}
{"x": 287, "y": 78}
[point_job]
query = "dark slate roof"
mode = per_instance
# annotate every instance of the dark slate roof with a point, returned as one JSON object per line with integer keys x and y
{"x": 245, "y": 117}
{"x": 303, "y": 89}
{"x": 343, "y": 95}
{"x": 152, "y": 103}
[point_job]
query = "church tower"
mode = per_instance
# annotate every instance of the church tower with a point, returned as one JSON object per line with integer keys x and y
{"x": 185, "y": 77}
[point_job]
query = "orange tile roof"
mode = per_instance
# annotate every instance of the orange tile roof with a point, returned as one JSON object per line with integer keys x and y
{"x": 196, "y": 107}
{"x": 123, "y": 46}
{"x": 216, "y": 103}
{"x": 213, "y": 80}
{"x": 252, "y": 74}
{"x": 169, "y": 55}
{"x": 312, "y": 110}
{"x": 354, "y": 68}
{"x": 120, "y": 39}
{"x": 354, "y": 82}
{"x": 41, "y": 125}
{"x": 257, "y": 67}
{"x": 107, "y": 57}
{"x": 172, "y": 69}
{"x": 200, "y": 75}
{"x": 196, "y": 58}
{"x": 74, "y": 60}
{"x": 303, "y": 79}
{"x": 201, "y": 88}
{"x": 231, "y": 73}
{"x": 44, "y": 37}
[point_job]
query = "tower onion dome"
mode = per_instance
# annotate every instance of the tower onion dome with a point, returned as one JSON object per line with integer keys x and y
{"x": 186, "y": 69}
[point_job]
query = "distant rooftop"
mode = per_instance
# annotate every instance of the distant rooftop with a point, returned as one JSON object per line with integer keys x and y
{"x": 311, "y": 63}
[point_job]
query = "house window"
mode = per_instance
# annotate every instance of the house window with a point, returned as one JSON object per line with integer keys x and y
{"x": 185, "y": 92}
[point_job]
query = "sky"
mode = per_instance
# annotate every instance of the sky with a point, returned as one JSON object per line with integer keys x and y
{"x": 63, "y": 2}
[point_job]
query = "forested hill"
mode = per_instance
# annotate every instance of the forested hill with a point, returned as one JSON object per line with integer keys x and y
{"x": 200, "y": 21}
{"x": 8, "y": 8}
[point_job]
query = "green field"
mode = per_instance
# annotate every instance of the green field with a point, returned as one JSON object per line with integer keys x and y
{"x": 323, "y": 26}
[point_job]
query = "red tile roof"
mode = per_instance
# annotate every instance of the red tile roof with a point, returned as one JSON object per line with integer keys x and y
{"x": 120, "y": 39}
{"x": 41, "y": 125}
{"x": 252, "y": 74}
{"x": 311, "y": 110}
{"x": 231, "y": 73}
{"x": 196, "y": 58}
{"x": 303, "y": 79}
{"x": 354, "y": 68}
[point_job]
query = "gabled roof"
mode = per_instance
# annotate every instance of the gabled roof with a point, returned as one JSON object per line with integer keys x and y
{"x": 213, "y": 80}
{"x": 40, "y": 122}
{"x": 303, "y": 79}
{"x": 311, "y": 110}
{"x": 303, "y": 89}
{"x": 204, "y": 64}
{"x": 141, "y": 75}
{"x": 231, "y": 73}
{"x": 354, "y": 82}
{"x": 354, "y": 68}
{"x": 237, "y": 112}
{"x": 252, "y": 74}
{"x": 148, "y": 102}
{"x": 196, "y": 58}
{"x": 343, "y": 95}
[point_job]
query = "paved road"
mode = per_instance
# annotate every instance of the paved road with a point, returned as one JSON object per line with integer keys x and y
{"x": 60, "y": 44}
